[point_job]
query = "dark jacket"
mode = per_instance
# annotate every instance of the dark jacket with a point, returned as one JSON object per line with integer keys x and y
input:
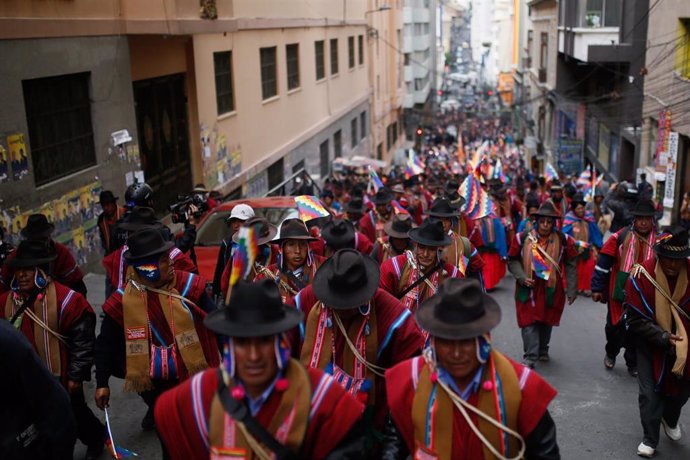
{"x": 82, "y": 341}
{"x": 224, "y": 255}
{"x": 31, "y": 400}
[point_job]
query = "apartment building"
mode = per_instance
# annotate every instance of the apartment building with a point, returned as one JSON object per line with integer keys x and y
{"x": 665, "y": 143}
{"x": 419, "y": 48}
{"x": 236, "y": 95}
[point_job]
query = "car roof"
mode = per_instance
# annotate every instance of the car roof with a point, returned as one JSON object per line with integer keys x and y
{"x": 258, "y": 203}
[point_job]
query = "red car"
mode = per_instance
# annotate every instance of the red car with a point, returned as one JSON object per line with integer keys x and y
{"x": 213, "y": 229}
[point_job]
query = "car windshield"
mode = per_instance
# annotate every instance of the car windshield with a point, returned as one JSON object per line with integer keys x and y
{"x": 214, "y": 229}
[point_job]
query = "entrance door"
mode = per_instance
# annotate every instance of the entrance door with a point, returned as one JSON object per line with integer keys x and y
{"x": 161, "y": 108}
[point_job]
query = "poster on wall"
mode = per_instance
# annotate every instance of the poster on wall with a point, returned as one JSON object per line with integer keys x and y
{"x": 18, "y": 155}
{"x": 671, "y": 167}
{"x": 4, "y": 164}
{"x": 569, "y": 156}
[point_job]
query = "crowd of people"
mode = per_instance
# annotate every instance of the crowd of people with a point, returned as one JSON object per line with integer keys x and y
{"x": 362, "y": 334}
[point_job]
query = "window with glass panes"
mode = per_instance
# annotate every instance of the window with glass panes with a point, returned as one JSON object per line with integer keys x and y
{"x": 292, "y": 60}
{"x": 269, "y": 71}
{"x": 222, "y": 69}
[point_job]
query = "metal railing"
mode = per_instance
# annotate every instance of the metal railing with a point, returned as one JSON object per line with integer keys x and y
{"x": 299, "y": 183}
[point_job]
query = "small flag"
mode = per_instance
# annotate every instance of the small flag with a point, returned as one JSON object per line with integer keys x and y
{"x": 415, "y": 164}
{"x": 663, "y": 237}
{"x": 309, "y": 207}
{"x": 245, "y": 254}
{"x": 478, "y": 204}
{"x": 541, "y": 267}
{"x": 374, "y": 180}
{"x": 462, "y": 264}
{"x": 550, "y": 172}
{"x": 398, "y": 208}
{"x": 115, "y": 450}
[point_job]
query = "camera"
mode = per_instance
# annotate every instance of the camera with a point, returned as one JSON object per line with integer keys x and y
{"x": 188, "y": 206}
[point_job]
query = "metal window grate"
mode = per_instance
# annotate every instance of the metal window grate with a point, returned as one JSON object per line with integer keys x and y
{"x": 222, "y": 67}
{"x": 292, "y": 59}
{"x": 269, "y": 80}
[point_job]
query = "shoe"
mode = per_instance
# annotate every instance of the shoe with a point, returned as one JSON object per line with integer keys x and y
{"x": 632, "y": 370}
{"x": 544, "y": 358}
{"x": 94, "y": 452}
{"x": 643, "y": 450}
{"x": 148, "y": 423}
{"x": 609, "y": 362}
{"x": 528, "y": 363}
{"x": 673, "y": 433}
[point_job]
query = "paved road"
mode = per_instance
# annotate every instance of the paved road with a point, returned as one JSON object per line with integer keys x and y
{"x": 595, "y": 411}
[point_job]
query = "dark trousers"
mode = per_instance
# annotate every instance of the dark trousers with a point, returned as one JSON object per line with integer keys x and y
{"x": 655, "y": 405}
{"x": 535, "y": 340}
{"x": 616, "y": 338}
{"x": 151, "y": 396}
{"x": 90, "y": 430}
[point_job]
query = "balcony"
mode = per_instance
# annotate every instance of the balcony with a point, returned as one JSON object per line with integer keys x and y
{"x": 421, "y": 42}
{"x": 593, "y": 44}
{"x": 408, "y": 101}
{"x": 407, "y": 73}
{"x": 541, "y": 74}
{"x": 407, "y": 44}
{"x": 412, "y": 15}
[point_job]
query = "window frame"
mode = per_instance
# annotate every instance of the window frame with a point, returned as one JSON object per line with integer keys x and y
{"x": 218, "y": 75}
{"x": 320, "y": 65}
{"x": 265, "y": 67}
{"x": 354, "y": 138}
{"x": 360, "y": 46}
{"x": 351, "y": 58}
{"x": 333, "y": 49}
{"x": 295, "y": 60}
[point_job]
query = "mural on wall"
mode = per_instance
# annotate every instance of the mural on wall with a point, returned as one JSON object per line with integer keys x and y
{"x": 19, "y": 156}
{"x": 4, "y": 164}
{"x": 222, "y": 161}
{"x": 75, "y": 215}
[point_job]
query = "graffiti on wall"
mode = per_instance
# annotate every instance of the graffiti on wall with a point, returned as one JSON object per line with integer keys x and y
{"x": 74, "y": 215}
{"x": 19, "y": 156}
{"x": 222, "y": 160}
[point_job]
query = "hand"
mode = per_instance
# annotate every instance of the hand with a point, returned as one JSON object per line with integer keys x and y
{"x": 673, "y": 339}
{"x": 73, "y": 386}
{"x": 102, "y": 397}
{"x": 527, "y": 282}
{"x": 571, "y": 299}
{"x": 598, "y": 297}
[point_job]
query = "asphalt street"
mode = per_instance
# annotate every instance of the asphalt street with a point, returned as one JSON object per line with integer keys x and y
{"x": 595, "y": 411}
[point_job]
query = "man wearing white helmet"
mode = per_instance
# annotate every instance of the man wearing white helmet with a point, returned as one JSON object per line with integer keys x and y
{"x": 239, "y": 214}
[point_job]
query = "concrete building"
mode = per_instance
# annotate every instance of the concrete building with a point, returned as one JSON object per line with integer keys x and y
{"x": 665, "y": 110}
{"x": 236, "y": 96}
{"x": 419, "y": 48}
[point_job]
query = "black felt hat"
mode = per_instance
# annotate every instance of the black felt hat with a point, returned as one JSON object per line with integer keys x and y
{"x": 441, "y": 207}
{"x": 145, "y": 243}
{"x": 430, "y": 233}
{"x": 347, "y": 280}
{"x": 355, "y": 206}
{"x": 31, "y": 253}
{"x": 255, "y": 310}
{"x": 138, "y": 217}
{"x": 673, "y": 243}
{"x": 547, "y": 209}
{"x": 339, "y": 234}
{"x": 37, "y": 228}
{"x": 293, "y": 229}
{"x": 644, "y": 208}
{"x": 578, "y": 198}
{"x": 399, "y": 226}
{"x": 383, "y": 196}
{"x": 107, "y": 196}
{"x": 459, "y": 310}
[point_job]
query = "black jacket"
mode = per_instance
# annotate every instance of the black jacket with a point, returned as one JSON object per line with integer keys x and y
{"x": 81, "y": 339}
{"x": 541, "y": 442}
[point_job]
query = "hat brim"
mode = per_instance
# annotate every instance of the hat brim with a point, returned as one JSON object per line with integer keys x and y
{"x": 38, "y": 234}
{"x": 415, "y": 236}
{"x": 166, "y": 247}
{"x": 388, "y": 228}
{"x": 352, "y": 298}
{"x": 661, "y": 252}
{"x": 21, "y": 263}
{"x": 643, "y": 214}
{"x": 437, "y": 328}
{"x": 272, "y": 232}
{"x": 546, "y": 214}
{"x": 219, "y": 323}
{"x": 443, "y": 214}
{"x": 296, "y": 237}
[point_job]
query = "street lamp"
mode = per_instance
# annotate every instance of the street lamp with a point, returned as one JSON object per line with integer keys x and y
{"x": 380, "y": 8}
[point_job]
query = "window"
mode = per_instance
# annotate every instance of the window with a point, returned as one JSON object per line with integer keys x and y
{"x": 683, "y": 48}
{"x": 528, "y": 50}
{"x": 338, "y": 144}
{"x": 320, "y": 59}
{"x": 363, "y": 123}
{"x": 325, "y": 162}
{"x": 543, "y": 56}
{"x": 222, "y": 68}
{"x": 58, "y": 114}
{"x": 334, "y": 56}
{"x": 602, "y": 13}
{"x": 653, "y": 133}
{"x": 292, "y": 59}
{"x": 360, "y": 45}
{"x": 269, "y": 80}
{"x": 379, "y": 151}
{"x": 351, "y": 52}
{"x": 353, "y": 133}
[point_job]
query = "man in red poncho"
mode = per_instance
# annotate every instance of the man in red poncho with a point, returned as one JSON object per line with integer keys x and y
{"x": 544, "y": 263}
{"x": 371, "y": 224}
{"x": 260, "y": 403}
{"x": 152, "y": 333}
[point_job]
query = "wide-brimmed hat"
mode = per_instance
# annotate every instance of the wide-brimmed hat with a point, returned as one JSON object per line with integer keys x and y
{"x": 398, "y": 226}
{"x": 398, "y": 188}
{"x": 138, "y": 217}
{"x": 457, "y": 201}
{"x": 673, "y": 243}
{"x": 242, "y": 212}
{"x": 255, "y": 310}
{"x": 31, "y": 253}
{"x": 355, "y": 206}
{"x": 146, "y": 242}
{"x": 347, "y": 280}
{"x": 430, "y": 233}
{"x": 578, "y": 198}
{"x": 339, "y": 234}
{"x": 107, "y": 196}
{"x": 267, "y": 231}
{"x": 441, "y": 207}
{"x": 644, "y": 208}
{"x": 293, "y": 229}
{"x": 556, "y": 186}
{"x": 459, "y": 310}
{"x": 37, "y": 227}
{"x": 383, "y": 196}
{"x": 547, "y": 209}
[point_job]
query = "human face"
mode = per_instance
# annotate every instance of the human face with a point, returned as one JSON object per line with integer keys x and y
{"x": 255, "y": 362}
{"x": 167, "y": 269}
{"x": 579, "y": 211}
{"x": 295, "y": 252}
{"x": 671, "y": 267}
{"x": 109, "y": 208}
{"x": 234, "y": 225}
{"x": 25, "y": 279}
{"x": 447, "y": 223}
{"x": 643, "y": 225}
{"x": 400, "y": 244}
{"x": 328, "y": 200}
{"x": 545, "y": 225}
{"x": 458, "y": 358}
{"x": 598, "y": 199}
{"x": 426, "y": 256}
{"x": 557, "y": 195}
{"x": 383, "y": 209}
